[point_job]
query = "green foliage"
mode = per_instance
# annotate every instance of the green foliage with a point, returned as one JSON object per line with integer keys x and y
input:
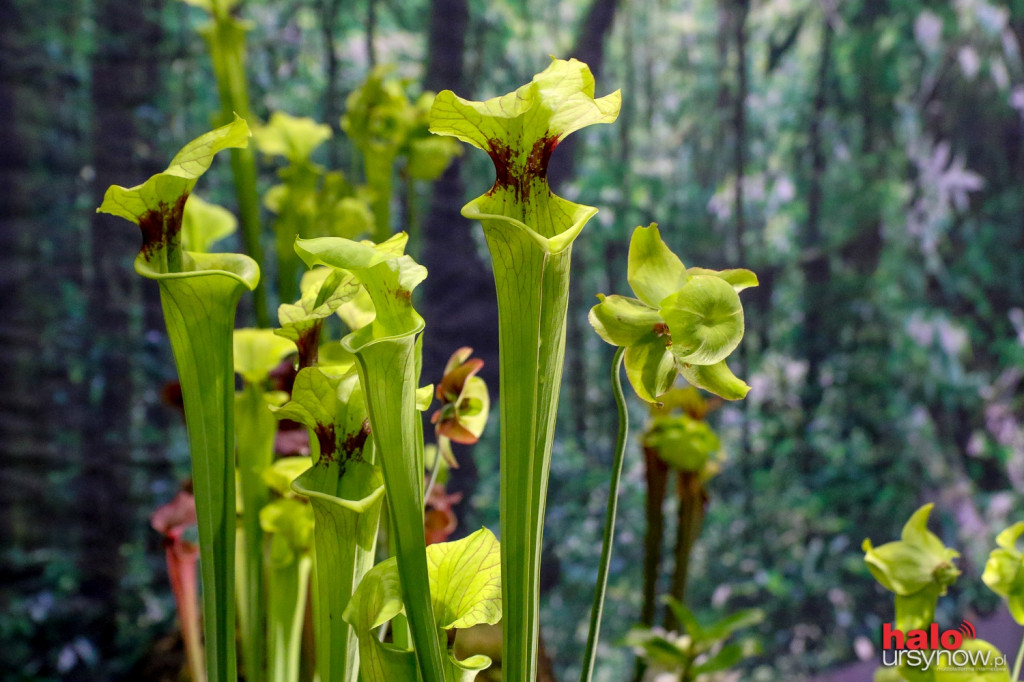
{"x": 465, "y": 589}
{"x": 702, "y": 650}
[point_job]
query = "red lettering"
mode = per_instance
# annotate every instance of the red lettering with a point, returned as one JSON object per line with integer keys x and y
{"x": 952, "y": 639}
{"x": 891, "y": 639}
{"x": 917, "y": 639}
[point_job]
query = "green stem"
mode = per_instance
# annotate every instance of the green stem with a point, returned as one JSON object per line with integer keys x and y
{"x": 380, "y": 176}
{"x": 199, "y": 325}
{"x": 387, "y": 372}
{"x": 287, "y": 587}
{"x": 256, "y": 427}
{"x": 1017, "y": 664}
{"x": 225, "y": 37}
{"x": 532, "y": 285}
{"x": 609, "y": 522}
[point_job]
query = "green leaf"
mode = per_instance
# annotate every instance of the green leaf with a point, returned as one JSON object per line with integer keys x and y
{"x": 331, "y": 405}
{"x": 377, "y": 600}
{"x": 346, "y": 503}
{"x": 690, "y": 624}
{"x": 291, "y": 523}
{"x": 624, "y": 321}
{"x": 658, "y": 649}
{"x": 388, "y": 276}
{"x": 465, "y": 580}
{"x": 199, "y": 308}
{"x": 357, "y": 312}
{"x": 386, "y": 350}
{"x": 653, "y": 271}
{"x": 293, "y": 137}
{"x": 429, "y": 157}
{"x": 157, "y": 205}
{"x": 739, "y": 279}
{"x": 324, "y": 291}
{"x": 734, "y": 622}
{"x": 257, "y": 352}
{"x": 557, "y": 102}
{"x": 705, "y": 318}
{"x": 204, "y": 223}
{"x": 650, "y": 367}
{"x": 728, "y": 656}
{"x": 287, "y": 586}
{"x": 345, "y": 490}
{"x": 280, "y": 475}
{"x": 918, "y": 560}
{"x": 255, "y": 429}
{"x": 717, "y": 379}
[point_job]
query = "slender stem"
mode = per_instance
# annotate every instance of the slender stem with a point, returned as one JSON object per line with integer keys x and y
{"x": 226, "y": 40}
{"x": 609, "y": 521}
{"x": 435, "y": 469}
{"x": 1017, "y": 664}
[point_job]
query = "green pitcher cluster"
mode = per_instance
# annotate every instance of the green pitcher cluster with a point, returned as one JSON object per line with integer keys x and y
{"x": 313, "y": 523}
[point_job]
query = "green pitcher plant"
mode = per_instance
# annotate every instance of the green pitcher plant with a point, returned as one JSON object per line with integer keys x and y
{"x": 199, "y": 293}
{"x": 386, "y": 350}
{"x": 256, "y": 353}
{"x": 529, "y": 232}
{"x": 345, "y": 488}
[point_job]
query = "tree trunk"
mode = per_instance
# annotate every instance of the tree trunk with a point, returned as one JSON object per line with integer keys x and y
{"x": 817, "y": 269}
{"x": 124, "y": 75}
{"x": 458, "y": 297}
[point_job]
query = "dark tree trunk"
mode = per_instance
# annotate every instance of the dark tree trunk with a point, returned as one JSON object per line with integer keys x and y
{"x": 458, "y": 296}
{"x": 124, "y": 75}
{"x": 816, "y": 267}
{"x": 589, "y": 49}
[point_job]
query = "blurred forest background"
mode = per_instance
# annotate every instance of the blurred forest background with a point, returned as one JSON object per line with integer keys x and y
{"x": 864, "y": 157}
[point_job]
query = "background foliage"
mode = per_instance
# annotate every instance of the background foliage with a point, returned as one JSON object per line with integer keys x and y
{"x": 865, "y": 158}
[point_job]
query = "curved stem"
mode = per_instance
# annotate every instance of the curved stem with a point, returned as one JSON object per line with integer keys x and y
{"x": 609, "y": 522}
{"x": 1017, "y": 664}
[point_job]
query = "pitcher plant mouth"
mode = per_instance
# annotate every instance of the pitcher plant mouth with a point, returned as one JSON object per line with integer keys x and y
{"x": 485, "y": 208}
{"x": 236, "y": 266}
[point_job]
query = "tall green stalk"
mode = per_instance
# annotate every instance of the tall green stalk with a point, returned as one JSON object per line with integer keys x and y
{"x": 256, "y": 353}
{"x": 199, "y": 294}
{"x": 225, "y": 37}
{"x": 529, "y": 232}
{"x": 386, "y": 351}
